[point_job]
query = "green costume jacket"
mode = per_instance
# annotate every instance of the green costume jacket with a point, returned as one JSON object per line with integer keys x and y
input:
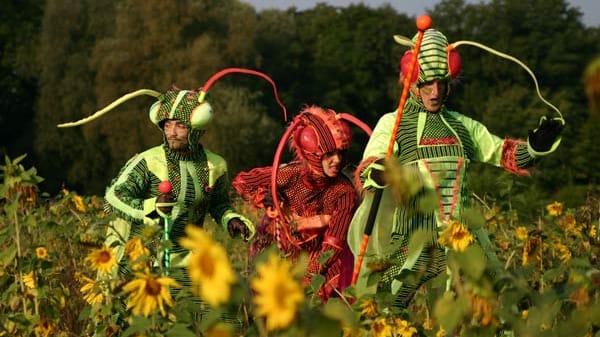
{"x": 437, "y": 148}
{"x": 200, "y": 186}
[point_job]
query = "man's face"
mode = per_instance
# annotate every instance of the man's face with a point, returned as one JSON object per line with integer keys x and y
{"x": 332, "y": 162}
{"x": 176, "y": 133}
{"x": 433, "y": 94}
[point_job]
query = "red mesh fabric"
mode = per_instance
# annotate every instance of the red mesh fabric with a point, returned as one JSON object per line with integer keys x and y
{"x": 335, "y": 197}
{"x": 509, "y": 161}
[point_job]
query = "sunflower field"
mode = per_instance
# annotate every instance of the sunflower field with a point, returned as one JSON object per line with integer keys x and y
{"x": 57, "y": 278}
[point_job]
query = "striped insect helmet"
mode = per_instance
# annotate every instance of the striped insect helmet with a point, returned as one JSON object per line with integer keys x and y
{"x": 318, "y": 131}
{"x": 436, "y": 60}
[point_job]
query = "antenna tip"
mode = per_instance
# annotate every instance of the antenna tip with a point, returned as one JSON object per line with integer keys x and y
{"x": 423, "y": 22}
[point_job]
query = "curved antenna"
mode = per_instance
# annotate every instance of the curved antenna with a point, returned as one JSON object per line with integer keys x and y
{"x": 274, "y": 170}
{"x": 511, "y": 58}
{"x": 403, "y": 40}
{"x": 357, "y": 122}
{"x": 111, "y": 106}
{"x": 226, "y": 71}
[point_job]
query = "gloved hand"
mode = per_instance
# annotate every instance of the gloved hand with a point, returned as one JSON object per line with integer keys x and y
{"x": 269, "y": 202}
{"x": 378, "y": 172}
{"x": 164, "y": 204}
{"x": 542, "y": 138}
{"x": 237, "y": 226}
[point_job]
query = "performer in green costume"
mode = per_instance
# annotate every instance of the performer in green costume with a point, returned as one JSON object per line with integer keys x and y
{"x": 198, "y": 180}
{"x": 434, "y": 146}
{"x": 198, "y": 176}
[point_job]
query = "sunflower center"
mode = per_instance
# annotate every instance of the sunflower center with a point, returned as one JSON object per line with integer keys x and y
{"x": 280, "y": 295}
{"x": 207, "y": 265}
{"x": 104, "y": 257}
{"x": 152, "y": 287}
{"x": 459, "y": 236}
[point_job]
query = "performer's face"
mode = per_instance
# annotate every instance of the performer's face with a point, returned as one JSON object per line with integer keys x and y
{"x": 176, "y": 133}
{"x": 432, "y": 94}
{"x": 332, "y": 163}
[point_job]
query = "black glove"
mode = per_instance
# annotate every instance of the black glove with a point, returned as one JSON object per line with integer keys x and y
{"x": 542, "y": 138}
{"x": 269, "y": 202}
{"x": 237, "y": 226}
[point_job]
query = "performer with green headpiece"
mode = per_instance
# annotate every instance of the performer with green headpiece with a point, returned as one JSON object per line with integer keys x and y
{"x": 195, "y": 177}
{"x": 432, "y": 147}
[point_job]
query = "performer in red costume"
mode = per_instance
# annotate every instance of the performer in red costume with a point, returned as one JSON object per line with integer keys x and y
{"x": 317, "y": 201}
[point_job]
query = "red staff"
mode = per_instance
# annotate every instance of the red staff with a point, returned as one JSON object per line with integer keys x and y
{"x": 423, "y": 23}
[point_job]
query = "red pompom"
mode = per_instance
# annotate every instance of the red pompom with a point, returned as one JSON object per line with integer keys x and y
{"x": 423, "y": 22}
{"x": 165, "y": 187}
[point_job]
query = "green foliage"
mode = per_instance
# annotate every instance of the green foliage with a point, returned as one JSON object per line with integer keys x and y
{"x": 547, "y": 286}
{"x": 19, "y": 32}
{"x": 41, "y": 255}
{"x": 13, "y": 174}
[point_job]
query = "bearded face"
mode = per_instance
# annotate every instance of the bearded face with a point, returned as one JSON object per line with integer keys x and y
{"x": 176, "y": 133}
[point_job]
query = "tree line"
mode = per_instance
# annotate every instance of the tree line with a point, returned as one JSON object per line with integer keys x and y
{"x": 64, "y": 60}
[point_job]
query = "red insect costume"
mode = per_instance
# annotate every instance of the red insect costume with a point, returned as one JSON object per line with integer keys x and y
{"x": 317, "y": 208}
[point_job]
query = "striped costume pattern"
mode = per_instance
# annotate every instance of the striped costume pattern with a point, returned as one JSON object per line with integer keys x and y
{"x": 439, "y": 147}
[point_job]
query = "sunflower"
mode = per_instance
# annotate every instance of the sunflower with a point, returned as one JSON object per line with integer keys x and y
{"x": 368, "y": 308}
{"x": 521, "y": 233}
{"x": 147, "y": 293}
{"x": 137, "y": 253}
{"x": 564, "y": 254}
{"x": 555, "y": 208}
{"x": 91, "y": 291}
{"x": 569, "y": 223}
{"x": 481, "y": 309}
{"x": 102, "y": 259}
{"x": 79, "y": 204}
{"x": 532, "y": 251}
{"x": 457, "y": 236}
{"x": 380, "y": 328}
{"x": 41, "y": 253}
{"x": 592, "y": 231}
{"x": 209, "y": 267}
{"x": 44, "y": 328}
{"x": 277, "y": 292}
{"x": 403, "y": 329}
{"x": 428, "y": 323}
{"x": 29, "y": 280}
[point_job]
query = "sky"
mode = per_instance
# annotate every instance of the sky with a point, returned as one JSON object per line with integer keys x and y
{"x": 589, "y": 8}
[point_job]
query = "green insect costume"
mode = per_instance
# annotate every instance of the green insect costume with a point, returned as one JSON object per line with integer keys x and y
{"x": 436, "y": 149}
{"x": 197, "y": 180}
{"x": 198, "y": 176}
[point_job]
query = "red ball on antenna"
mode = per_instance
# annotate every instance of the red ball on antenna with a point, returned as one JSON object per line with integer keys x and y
{"x": 165, "y": 187}
{"x": 423, "y": 22}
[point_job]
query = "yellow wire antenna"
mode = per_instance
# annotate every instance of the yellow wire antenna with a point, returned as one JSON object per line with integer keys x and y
{"x": 111, "y": 106}
{"x": 514, "y": 59}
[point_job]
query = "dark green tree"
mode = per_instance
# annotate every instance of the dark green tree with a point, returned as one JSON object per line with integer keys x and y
{"x": 20, "y": 23}
{"x": 133, "y": 45}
